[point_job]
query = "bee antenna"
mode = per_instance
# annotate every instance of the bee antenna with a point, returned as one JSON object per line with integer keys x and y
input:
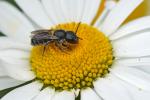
{"x": 44, "y": 50}
{"x": 77, "y": 27}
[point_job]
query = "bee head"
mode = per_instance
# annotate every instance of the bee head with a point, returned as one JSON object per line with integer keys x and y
{"x": 71, "y": 37}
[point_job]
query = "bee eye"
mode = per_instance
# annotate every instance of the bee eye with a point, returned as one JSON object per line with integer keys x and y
{"x": 60, "y": 34}
{"x": 71, "y": 37}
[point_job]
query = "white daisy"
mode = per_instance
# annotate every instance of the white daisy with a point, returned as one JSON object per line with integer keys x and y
{"x": 92, "y": 70}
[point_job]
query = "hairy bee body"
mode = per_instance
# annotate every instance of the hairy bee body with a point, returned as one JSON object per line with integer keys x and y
{"x": 59, "y": 37}
{"x": 41, "y": 38}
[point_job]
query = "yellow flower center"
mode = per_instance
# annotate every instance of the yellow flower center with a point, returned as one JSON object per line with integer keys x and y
{"x": 77, "y": 67}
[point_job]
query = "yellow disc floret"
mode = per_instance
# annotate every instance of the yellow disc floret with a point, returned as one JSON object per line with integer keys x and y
{"x": 77, "y": 67}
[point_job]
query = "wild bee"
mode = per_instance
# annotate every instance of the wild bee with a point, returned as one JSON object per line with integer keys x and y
{"x": 58, "y": 37}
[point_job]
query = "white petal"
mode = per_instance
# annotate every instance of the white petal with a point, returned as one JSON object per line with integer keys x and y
{"x": 133, "y": 46}
{"x": 72, "y": 9}
{"x": 14, "y": 56}
{"x": 134, "y": 62}
{"x": 118, "y": 14}
{"x": 2, "y": 71}
{"x": 26, "y": 92}
{"x": 89, "y": 94}
{"x": 90, "y": 10}
{"x": 6, "y": 43}
{"x": 75, "y": 10}
{"x": 136, "y": 93}
{"x": 110, "y": 89}
{"x": 145, "y": 69}
{"x": 54, "y": 10}
{"x": 65, "y": 95}
{"x": 16, "y": 64}
{"x": 133, "y": 76}
{"x": 61, "y": 11}
{"x": 141, "y": 63}
{"x": 7, "y": 82}
{"x": 45, "y": 94}
{"x": 13, "y": 23}
{"x": 14, "y": 53}
{"x": 34, "y": 9}
{"x": 109, "y": 5}
{"x": 131, "y": 28}
{"x": 20, "y": 71}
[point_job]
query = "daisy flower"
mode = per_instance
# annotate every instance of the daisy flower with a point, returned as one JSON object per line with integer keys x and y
{"x": 110, "y": 61}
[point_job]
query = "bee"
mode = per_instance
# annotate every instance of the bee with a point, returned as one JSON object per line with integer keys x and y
{"x": 59, "y": 37}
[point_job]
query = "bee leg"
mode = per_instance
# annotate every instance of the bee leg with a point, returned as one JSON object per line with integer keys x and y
{"x": 45, "y": 47}
{"x": 66, "y": 46}
{"x": 60, "y": 43}
{"x": 63, "y": 43}
{"x": 44, "y": 50}
{"x": 61, "y": 47}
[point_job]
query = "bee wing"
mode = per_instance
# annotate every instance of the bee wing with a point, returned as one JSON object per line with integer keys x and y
{"x": 45, "y": 36}
{"x": 40, "y": 31}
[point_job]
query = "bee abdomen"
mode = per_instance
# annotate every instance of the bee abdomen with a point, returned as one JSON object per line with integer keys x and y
{"x": 38, "y": 42}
